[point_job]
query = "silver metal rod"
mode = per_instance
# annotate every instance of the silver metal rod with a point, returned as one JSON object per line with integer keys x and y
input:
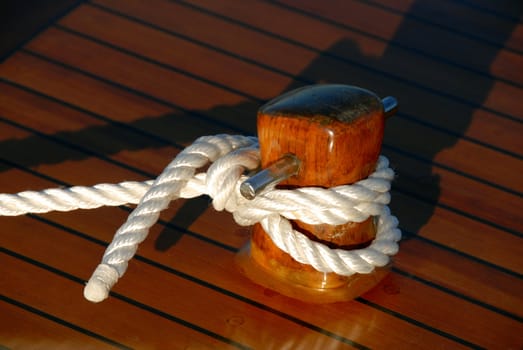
{"x": 390, "y": 106}
{"x": 282, "y": 169}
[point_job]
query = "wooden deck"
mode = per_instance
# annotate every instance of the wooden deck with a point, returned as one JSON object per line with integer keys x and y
{"x": 114, "y": 89}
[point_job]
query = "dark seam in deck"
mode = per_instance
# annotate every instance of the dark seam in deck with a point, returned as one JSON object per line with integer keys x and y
{"x": 134, "y": 91}
{"x": 414, "y": 321}
{"x": 78, "y": 148}
{"x": 394, "y": 43}
{"x": 123, "y": 298}
{"x": 458, "y": 295}
{"x": 61, "y": 321}
{"x": 451, "y": 169}
{"x": 443, "y": 27}
{"x": 410, "y": 235}
{"x": 109, "y": 121}
{"x": 460, "y": 212}
{"x": 358, "y": 64}
{"x": 455, "y": 134}
{"x": 158, "y": 63}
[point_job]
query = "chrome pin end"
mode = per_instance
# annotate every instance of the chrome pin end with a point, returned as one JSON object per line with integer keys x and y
{"x": 282, "y": 169}
{"x": 390, "y": 106}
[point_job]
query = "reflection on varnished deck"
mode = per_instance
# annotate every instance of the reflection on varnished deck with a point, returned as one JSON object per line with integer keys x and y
{"x": 114, "y": 89}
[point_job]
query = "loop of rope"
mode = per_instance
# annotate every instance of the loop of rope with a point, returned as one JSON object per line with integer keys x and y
{"x": 231, "y": 156}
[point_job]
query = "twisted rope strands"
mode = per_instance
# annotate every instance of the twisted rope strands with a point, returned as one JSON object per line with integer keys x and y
{"x": 165, "y": 188}
{"x": 230, "y": 156}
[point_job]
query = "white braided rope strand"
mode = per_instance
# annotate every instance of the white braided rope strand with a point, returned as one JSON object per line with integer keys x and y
{"x": 72, "y": 198}
{"x": 223, "y": 175}
{"x": 314, "y": 205}
{"x": 166, "y": 187}
{"x": 306, "y": 204}
{"x": 340, "y": 261}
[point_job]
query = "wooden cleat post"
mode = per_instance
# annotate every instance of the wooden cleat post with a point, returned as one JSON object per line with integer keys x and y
{"x": 336, "y": 133}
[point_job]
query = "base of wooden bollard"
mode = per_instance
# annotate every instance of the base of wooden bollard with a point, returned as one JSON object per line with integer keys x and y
{"x": 286, "y": 276}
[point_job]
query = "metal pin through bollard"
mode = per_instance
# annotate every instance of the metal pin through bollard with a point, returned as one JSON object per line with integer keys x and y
{"x": 390, "y": 106}
{"x": 282, "y": 169}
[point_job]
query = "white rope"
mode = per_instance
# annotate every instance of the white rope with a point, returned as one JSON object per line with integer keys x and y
{"x": 230, "y": 156}
{"x": 72, "y": 198}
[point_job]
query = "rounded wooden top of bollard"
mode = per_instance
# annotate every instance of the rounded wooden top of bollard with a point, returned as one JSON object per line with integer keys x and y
{"x": 335, "y": 130}
{"x": 326, "y": 103}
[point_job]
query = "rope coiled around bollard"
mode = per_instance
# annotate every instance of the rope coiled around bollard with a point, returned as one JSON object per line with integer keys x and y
{"x": 231, "y": 156}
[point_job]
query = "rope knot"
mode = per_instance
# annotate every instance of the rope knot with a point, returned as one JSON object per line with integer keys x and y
{"x": 230, "y": 156}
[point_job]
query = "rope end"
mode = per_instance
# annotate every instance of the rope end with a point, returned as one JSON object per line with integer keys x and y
{"x": 99, "y": 285}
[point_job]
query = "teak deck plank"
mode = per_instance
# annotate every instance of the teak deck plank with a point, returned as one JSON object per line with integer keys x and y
{"x": 149, "y": 329}
{"x": 445, "y": 12}
{"x": 46, "y": 330}
{"x": 114, "y": 89}
{"x": 291, "y": 62}
{"x": 492, "y": 157}
{"x": 443, "y": 43}
{"x": 504, "y": 162}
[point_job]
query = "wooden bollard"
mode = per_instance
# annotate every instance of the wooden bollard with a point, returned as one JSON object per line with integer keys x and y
{"x": 335, "y": 133}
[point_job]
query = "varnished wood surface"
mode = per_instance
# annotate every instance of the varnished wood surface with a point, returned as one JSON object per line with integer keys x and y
{"x": 114, "y": 89}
